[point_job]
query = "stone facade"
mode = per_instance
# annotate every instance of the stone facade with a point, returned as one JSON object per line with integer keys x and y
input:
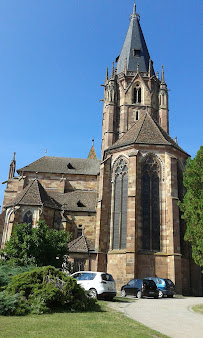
{"x": 122, "y": 211}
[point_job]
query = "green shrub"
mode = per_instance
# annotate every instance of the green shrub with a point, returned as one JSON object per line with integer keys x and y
{"x": 7, "y": 272}
{"x": 45, "y": 289}
{"x": 12, "y": 304}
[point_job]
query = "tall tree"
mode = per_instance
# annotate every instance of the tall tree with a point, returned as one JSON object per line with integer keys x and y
{"x": 192, "y": 205}
{"x": 39, "y": 246}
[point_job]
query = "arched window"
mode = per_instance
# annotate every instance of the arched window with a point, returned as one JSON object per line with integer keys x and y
{"x": 137, "y": 95}
{"x": 27, "y": 218}
{"x": 120, "y": 205}
{"x": 150, "y": 205}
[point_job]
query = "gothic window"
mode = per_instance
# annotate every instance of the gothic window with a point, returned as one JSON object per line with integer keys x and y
{"x": 79, "y": 230}
{"x": 137, "y": 94}
{"x": 137, "y": 115}
{"x": 150, "y": 205}
{"x": 27, "y": 218}
{"x": 120, "y": 205}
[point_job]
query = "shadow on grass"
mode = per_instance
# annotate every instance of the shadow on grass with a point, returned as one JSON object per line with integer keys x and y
{"x": 123, "y": 300}
{"x": 95, "y": 308}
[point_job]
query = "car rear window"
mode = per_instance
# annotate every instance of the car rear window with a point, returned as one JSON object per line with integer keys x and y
{"x": 169, "y": 282}
{"x": 107, "y": 277}
{"x": 87, "y": 276}
{"x": 149, "y": 282}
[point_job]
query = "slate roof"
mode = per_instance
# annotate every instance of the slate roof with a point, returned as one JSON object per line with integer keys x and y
{"x": 63, "y": 165}
{"x": 134, "y": 40}
{"x": 145, "y": 131}
{"x": 77, "y": 200}
{"x": 34, "y": 194}
{"x": 81, "y": 245}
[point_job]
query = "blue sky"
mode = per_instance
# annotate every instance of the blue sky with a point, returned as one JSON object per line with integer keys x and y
{"x": 53, "y": 59}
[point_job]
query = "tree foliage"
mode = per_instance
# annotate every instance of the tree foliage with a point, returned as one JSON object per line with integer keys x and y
{"x": 39, "y": 246}
{"x": 192, "y": 205}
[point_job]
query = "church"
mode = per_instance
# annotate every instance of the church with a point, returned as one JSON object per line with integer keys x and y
{"x": 122, "y": 210}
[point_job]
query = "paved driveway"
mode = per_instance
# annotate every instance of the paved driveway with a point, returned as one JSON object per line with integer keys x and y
{"x": 170, "y": 316}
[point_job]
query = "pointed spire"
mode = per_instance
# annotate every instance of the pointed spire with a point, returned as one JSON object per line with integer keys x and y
{"x": 12, "y": 167}
{"x": 112, "y": 70}
{"x": 134, "y": 48}
{"x": 157, "y": 74}
{"x": 92, "y": 154}
{"x": 135, "y": 14}
{"x": 162, "y": 74}
{"x": 107, "y": 74}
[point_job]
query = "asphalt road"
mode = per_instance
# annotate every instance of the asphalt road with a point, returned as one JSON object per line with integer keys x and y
{"x": 170, "y": 316}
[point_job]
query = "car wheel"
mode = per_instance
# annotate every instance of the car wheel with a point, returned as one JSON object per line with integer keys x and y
{"x": 123, "y": 293}
{"x": 92, "y": 293}
{"x": 139, "y": 294}
{"x": 161, "y": 294}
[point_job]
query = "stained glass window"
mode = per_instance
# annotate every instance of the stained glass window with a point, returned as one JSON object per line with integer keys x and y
{"x": 120, "y": 205}
{"x": 150, "y": 205}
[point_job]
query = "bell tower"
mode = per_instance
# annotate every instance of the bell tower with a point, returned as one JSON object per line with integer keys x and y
{"x": 133, "y": 88}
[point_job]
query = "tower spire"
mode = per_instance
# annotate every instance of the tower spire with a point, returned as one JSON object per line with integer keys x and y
{"x": 107, "y": 74}
{"x": 135, "y": 14}
{"x": 134, "y": 48}
{"x": 112, "y": 70}
{"x": 12, "y": 167}
{"x": 162, "y": 75}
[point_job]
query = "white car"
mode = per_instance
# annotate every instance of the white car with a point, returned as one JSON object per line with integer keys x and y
{"x": 99, "y": 284}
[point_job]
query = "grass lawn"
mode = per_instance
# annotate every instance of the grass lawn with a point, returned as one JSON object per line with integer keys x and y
{"x": 106, "y": 323}
{"x": 198, "y": 308}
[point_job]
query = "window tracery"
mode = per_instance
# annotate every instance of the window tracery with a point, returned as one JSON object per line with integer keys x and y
{"x": 150, "y": 204}
{"x": 120, "y": 205}
{"x": 27, "y": 218}
{"x": 137, "y": 94}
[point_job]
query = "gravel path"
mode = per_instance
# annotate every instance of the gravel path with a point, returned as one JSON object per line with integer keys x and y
{"x": 170, "y": 316}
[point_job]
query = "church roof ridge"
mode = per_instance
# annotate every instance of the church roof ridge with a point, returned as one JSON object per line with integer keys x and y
{"x": 145, "y": 131}
{"x": 63, "y": 165}
{"x": 34, "y": 194}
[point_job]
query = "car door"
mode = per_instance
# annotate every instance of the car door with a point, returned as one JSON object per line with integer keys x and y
{"x": 129, "y": 288}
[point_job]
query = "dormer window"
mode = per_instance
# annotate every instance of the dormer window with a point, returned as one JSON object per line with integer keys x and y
{"x": 136, "y": 52}
{"x": 69, "y": 165}
{"x": 80, "y": 204}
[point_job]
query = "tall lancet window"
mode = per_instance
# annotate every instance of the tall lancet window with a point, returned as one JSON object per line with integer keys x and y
{"x": 137, "y": 94}
{"x": 120, "y": 205}
{"x": 150, "y": 205}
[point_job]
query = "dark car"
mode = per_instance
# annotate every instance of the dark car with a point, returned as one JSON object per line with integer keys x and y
{"x": 140, "y": 288}
{"x": 166, "y": 286}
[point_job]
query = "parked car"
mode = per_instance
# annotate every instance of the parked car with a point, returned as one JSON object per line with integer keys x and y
{"x": 140, "y": 288}
{"x": 166, "y": 286}
{"x": 99, "y": 284}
